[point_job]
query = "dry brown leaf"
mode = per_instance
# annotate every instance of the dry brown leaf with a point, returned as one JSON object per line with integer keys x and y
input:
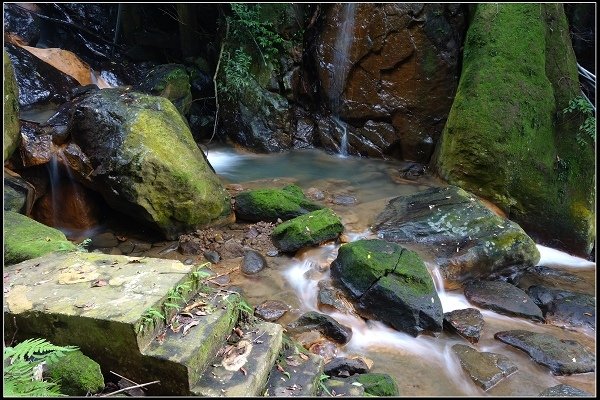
{"x": 194, "y": 305}
{"x": 303, "y": 356}
{"x": 237, "y": 356}
{"x": 189, "y": 326}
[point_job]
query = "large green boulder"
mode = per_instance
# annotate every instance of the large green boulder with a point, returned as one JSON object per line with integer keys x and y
{"x": 171, "y": 81}
{"x": 389, "y": 283}
{"x": 76, "y": 374}
{"x": 457, "y": 232}
{"x": 271, "y": 204}
{"x": 145, "y": 161}
{"x": 11, "y": 109}
{"x": 25, "y": 238}
{"x": 307, "y": 230}
{"x": 507, "y": 138}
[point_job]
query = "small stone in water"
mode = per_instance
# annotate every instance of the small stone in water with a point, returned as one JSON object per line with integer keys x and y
{"x": 188, "y": 261}
{"x": 272, "y": 253}
{"x": 212, "y": 256}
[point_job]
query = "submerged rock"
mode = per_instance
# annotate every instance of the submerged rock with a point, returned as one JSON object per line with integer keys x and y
{"x": 503, "y": 298}
{"x": 563, "y": 357}
{"x": 146, "y": 163}
{"x": 25, "y": 238}
{"x": 77, "y": 374}
{"x": 389, "y": 283}
{"x": 563, "y": 390}
{"x": 468, "y": 323}
{"x": 307, "y": 230}
{"x": 485, "y": 369}
{"x": 463, "y": 236}
{"x": 271, "y": 204}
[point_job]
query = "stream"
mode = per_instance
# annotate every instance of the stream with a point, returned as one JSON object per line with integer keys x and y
{"x": 422, "y": 366}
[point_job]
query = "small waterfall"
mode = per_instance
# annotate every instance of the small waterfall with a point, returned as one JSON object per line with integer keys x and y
{"x": 340, "y": 68}
{"x": 55, "y": 179}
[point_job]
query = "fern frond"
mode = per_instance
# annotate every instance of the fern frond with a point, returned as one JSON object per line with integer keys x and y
{"x": 37, "y": 348}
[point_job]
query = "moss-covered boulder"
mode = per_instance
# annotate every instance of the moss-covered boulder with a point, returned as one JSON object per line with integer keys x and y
{"x": 377, "y": 384}
{"x": 25, "y": 238}
{"x": 171, "y": 81}
{"x": 11, "y": 109}
{"x": 456, "y": 231}
{"x": 271, "y": 204}
{"x": 507, "y": 138}
{"x": 145, "y": 161}
{"x": 307, "y": 230}
{"x": 389, "y": 283}
{"x": 77, "y": 374}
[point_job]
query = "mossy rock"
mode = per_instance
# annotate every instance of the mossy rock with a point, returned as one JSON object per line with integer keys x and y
{"x": 378, "y": 384}
{"x": 389, "y": 283}
{"x": 171, "y": 81}
{"x": 12, "y": 134}
{"x": 25, "y": 238}
{"x": 271, "y": 204}
{"x": 507, "y": 138}
{"x": 307, "y": 230}
{"x": 77, "y": 374}
{"x": 146, "y": 163}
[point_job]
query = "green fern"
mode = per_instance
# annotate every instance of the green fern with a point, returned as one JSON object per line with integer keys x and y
{"x": 587, "y": 130}
{"x": 22, "y": 360}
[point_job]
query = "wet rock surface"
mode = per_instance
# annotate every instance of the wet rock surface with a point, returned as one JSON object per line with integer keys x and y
{"x": 323, "y": 323}
{"x": 307, "y": 230}
{"x": 330, "y": 297}
{"x": 484, "y": 368}
{"x": 468, "y": 323}
{"x": 466, "y": 239}
{"x": 562, "y": 357}
{"x": 271, "y": 310}
{"x": 389, "y": 283}
{"x": 565, "y": 308}
{"x": 343, "y": 367}
{"x": 553, "y": 278}
{"x": 563, "y": 390}
{"x": 503, "y": 298}
{"x": 253, "y": 262}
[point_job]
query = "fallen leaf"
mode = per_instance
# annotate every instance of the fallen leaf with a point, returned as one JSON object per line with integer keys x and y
{"x": 238, "y": 331}
{"x": 243, "y": 370}
{"x": 303, "y": 356}
{"x": 280, "y": 368}
{"x": 190, "y": 325}
{"x": 99, "y": 283}
{"x": 161, "y": 338}
{"x": 194, "y": 305}
{"x": 201, "y": 313}
{"x": 186, "y": 314}
{"x": 236, "y": 357}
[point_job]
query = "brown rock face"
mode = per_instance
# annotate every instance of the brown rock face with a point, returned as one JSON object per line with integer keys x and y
{"x": 401, "y": 78}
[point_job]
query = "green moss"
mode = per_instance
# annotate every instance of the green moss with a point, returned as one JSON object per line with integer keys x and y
{"x": 11, "y": 128}
{"x": 25, "y": 238}
{"x": 378, "y": 384}
{"x": 172, "y": 82}
{"x": 307, "y": 230}
{"x": 412, "y": 270}
{"x": 77, "y": 374}
{"x": 505, "y": 131}
{"x": 271, "y": 204}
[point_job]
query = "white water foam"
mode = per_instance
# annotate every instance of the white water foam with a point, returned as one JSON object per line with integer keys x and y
{"x": 551, "y": 257}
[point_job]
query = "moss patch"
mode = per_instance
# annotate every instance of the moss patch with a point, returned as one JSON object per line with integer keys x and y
{"x": 378, "y": 384}
{"x": 506, "y": 138}
{"x": 11, "y": 109}
{"x": 271, "y": 204}
{"x": 25, "y": 238}
{"x": 77, "y": 374}
{"x": 307, "y": 230}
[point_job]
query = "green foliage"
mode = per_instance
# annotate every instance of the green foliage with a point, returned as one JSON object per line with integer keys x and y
{"x": 322, "y": 386}
{"x": 21, "y": 363}
{"x": 150, "y": 318}
{"x": 587, "y": 130}
{"x": 84, "y": 244}
{"x": 249, "y": 30}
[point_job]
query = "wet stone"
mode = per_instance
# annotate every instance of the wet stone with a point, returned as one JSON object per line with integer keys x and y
{"x": 565, "y": 308}
{"x": 555, "y": 278}
{"x": 342, "y": 366}
{"x": 502, "y": 298}
{"x": 271, "y": 310}
{"x": 253, "y": 262}
{"x": 468, "y": 323}
{"x": 331, "y": 297}
{"x": 231, "y": 249}
{"x": 188, "y": 245}
{"x": 484, "y": 368}
{"x": 328, "y": 326}
{"x": 212, "y": 256}
{"x": 563, "y": 390}
{"x": 315, "y": 194}
{"x": 106, "y": 239}
{"x": 343, "y": 200}
{"x": 126, "y": 247}
{"x": 563, "y": 357}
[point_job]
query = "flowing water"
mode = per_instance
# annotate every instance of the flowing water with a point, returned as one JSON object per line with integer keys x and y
{"x": 423, "y": 366}
{"x": 340, "y": 69}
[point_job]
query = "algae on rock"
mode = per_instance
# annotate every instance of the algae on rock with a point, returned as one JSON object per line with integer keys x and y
{"x": 12, "y": 134}
{"x": 507, "y": 138}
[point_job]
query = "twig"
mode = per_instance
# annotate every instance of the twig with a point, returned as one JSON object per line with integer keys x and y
{"x": 127, "y": 379}
{"x": 129, "y": 388}
{"x": 258, "y": 337}
{"x": 220, "y": 275}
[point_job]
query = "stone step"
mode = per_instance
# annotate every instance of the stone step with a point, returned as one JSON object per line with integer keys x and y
{"x": 248, "y": 381}
{"x": 297, "y": 374}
